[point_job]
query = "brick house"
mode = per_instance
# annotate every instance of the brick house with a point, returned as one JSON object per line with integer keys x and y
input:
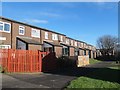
{"x": 18, "y": 35}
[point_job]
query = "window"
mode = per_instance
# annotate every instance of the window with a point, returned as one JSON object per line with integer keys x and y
{"x": 61, "y": 38}
{"x": 5, "y": 27}
{"x": 21, "y": 30}
{"x": 76, "y": 52}
{"x": 2, "y": 38}
{"x": 79, "y": 44}
{"x": 65, "y": 51}
{"x": 5, "y": 46}
{"x": 1, "y": 26}
{"x": 54, "y": 37}
{"x": 72, "y": 42}
{"x": 67, "y": 41}
{"x": 75, "y": 43}
{"x": 35, "y": 33}
{"x": 46, "y": 35}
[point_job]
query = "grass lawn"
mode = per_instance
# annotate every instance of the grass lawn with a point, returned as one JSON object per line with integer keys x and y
{"x": 98, "y": 78}
{"x": 93, "y": 61}
{"x": 118, "y": 68}
{"x": 85, "y": 82}
{"x": 0, "y": 69}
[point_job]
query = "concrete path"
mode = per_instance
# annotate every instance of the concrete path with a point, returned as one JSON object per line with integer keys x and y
{"x": 58, "y": 79}
{"x": 44, "y": 80}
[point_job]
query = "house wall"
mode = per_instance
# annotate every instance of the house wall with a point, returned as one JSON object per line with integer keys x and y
{"x": 81, "y": 52}
{"x": 50, "y": 37}
{"x": 15, "y": 33}
{"x": 11, "y": 38}
{"x": 95, "y": 54}
{"x": 58, "y": 51}
{"x": 34, "y": 47}
{"x": 87, "y": 52}
{"x": 6, "y": 36}
{"x": 72, "y": 51}
{"x": 91, "y": 54}
{"x": 63, "y": 36}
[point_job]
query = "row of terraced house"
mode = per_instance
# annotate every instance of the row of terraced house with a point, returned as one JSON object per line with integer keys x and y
{"x": 19, "y": 35}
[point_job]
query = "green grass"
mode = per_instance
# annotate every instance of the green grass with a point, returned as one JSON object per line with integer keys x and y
{"x": 85, "y": 82}
{"x": 93, "y": 61}
{"x": 0, "y": 69}
{"x": 98, "y": 78}
{"x": 118, "y": 68}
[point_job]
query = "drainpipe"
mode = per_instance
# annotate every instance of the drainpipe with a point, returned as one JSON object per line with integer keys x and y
{"x": 11, "y": 33}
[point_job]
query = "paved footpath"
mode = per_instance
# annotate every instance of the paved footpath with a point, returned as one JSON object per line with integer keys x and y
{"x": 43, "y": 80}
{"x": 57, "y": 79}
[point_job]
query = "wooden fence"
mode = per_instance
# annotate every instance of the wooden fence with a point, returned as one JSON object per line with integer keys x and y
{"x": 21, "y": 60}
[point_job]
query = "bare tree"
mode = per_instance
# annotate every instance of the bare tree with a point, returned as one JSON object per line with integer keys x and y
{"x": 107, "y": 44}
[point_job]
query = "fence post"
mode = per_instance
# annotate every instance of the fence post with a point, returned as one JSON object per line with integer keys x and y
{"x": 40, "y": 62}
{"x": 8, "y": 61}
{"x": 31, "y": 61}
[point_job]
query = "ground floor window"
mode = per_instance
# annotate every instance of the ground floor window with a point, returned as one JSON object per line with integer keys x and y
{"x": 65, "y": 51}
{"x": 76, "y": 52}
{"x": 84, "y": 52}
{"x": 21, "y": 45}
{"x": 5, "y": 46}
{"x": 48, "y": 49}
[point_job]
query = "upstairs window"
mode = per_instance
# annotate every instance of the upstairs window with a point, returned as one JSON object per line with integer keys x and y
{"x": 54, "y": 37}
{"x": 35, "y": 33}
{"x": 46, "y": 35}
{"x": 5, "y": 27}
{"x": 71, "y": 42}
{"x": 61, "y": 38}
{"x": 1, "y": 26}
{"x": 79, "y": 44}
{"x": 67, "y": 41}
{"x": 21, "y": 30}
{"x": 75, "y": 43}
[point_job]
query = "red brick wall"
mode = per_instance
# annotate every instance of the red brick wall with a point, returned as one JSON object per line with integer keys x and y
{"x": 58, "y": 51}
{"x": 72, "y": 51}
{"x": 34, "y": 47}
{"x": 5, "y": 35}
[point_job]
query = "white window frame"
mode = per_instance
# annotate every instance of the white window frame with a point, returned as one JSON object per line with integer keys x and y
{"x": 75, "y": 43}
{"x": 2, "y": 38}
{"x": 32, "y": 35}
{"x": 21, "y": 28}
{"x": 46, "y": 35}
{"x": 54, "y": 37}
{"x": 4, "y": 27}
{"x": 67, "y": 41}
{"x": 61, "y": 38}
{"x": 71, "y": 42}
{"x": 6, "y": 46}
{"x": 79, "y": 44}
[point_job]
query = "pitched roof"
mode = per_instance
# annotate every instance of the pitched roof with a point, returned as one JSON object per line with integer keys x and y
{"x": 52, "y": 43}
{"x": 29, "y": 41}
{"x": 30, "y": 25}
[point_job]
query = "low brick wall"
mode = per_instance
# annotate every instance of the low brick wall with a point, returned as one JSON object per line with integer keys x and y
{"x": 83, "y": 61}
